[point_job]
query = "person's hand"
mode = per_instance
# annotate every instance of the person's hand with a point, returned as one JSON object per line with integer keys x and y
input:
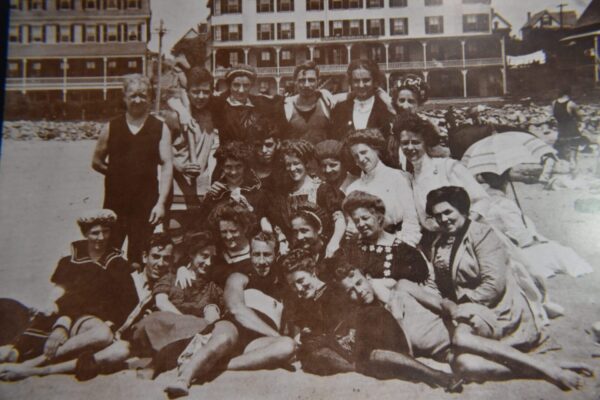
{"x": 56, "y": 339}
{"x": 192, "y": 170}
{"x": 217, "y": 189}
{"x": 211, "y": 313}
{"x": 185, "y": 119}
{"x": 184, "y": 277}
{"x": 331, "y": 248}
{"x": 450, "y": 308}
{"x": 157, "y": 214}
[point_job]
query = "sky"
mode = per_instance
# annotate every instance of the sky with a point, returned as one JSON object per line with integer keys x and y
{"x": 181, "y": 15}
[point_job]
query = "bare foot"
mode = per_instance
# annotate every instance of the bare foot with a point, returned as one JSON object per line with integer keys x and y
{"x": 8, "y": 354}
{"x": 15, "y": 372}
{"x": 179, "y": 388}
{"x": 567, "y": 380}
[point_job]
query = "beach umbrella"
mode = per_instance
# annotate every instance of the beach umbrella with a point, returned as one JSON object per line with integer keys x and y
{"x": 500, "y": 152}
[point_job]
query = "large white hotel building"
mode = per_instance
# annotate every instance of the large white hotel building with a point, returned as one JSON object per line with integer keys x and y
{"x": 449, "y": 42}
{"x": 75, "y": 49}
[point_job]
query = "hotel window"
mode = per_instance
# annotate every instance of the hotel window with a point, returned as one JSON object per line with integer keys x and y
{"x": 374, "y": 3}
{"x": 36, "y": 34}
{"x": 314, "y": 29}
{"x": 398, "y": 52}
{"x": 286, "y": 55}
{"x": 234, "y": 32}
{"x": 37, "y": 66}
{"x": 355, "y": 27}
{"x": 91, "y": 33}
{"x": 90, "y": 65}
{"x": 354, "y": 4}
{"x": 317, "y": 53}
{"x": 13, "y": 67}
{"x": 264, "y": 6}
{"x": 233, "y": 7}
{"x": 285, "y": 5}
{"x": 64, "y": 65}
{"x": 265, "y": 55}
{"x": 132, "y": 33}
{"x": 337, "y": 28}
{"x": 112, "y": 64}
{"x": 37, "y": 5}
{"x": 90, "y": 4}
{"x": 112, "y": 4}
{"x": 64, "y": 35}
{"x": 234, "y": 58}
{"x": 64, "y": 5}
{"x": 434, "y": 25}
{"x": 264, "y": 32}
{"x": 131, "y": 64}
{"x": 399, "y": 26}
{"x": 112, "y": 33}
{"x": 398, "y": 3}
{"x": 314, "y": 5}
{"x": 133, "y": 4}
{"x": 546, "y": 20}
{"x": 433, "y": 2}
{"x": 15, "y": 34}
{"x": 476, "y": 23}
{"x": 375, "y": 27}
{"x": 285, "y": 30}
{"x": 15, "y": 5}
{"x": 336, "y": 4}
{"x": 217, "y": 7}
{"x": 216, "y": 33}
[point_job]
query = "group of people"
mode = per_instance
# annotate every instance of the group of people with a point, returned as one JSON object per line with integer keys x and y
{"x": 330, "y": 230}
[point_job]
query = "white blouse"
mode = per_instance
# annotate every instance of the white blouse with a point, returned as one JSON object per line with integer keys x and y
{"x": 361, "y": 112}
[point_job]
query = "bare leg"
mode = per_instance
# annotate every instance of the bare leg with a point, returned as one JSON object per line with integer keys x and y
{"x": 222, "y": 340}
{"x": 506, "y": 357}
{"x": 93, "y": 334}
{"x": 105, "y": 358}
{"x": 265, "y": 352}
{"x": 391, "y": 364}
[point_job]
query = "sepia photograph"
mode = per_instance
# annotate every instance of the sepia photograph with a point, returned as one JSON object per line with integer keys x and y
{"x": 300, "y": 199}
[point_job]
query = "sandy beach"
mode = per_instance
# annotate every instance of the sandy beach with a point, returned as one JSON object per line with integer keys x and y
{"x": 45, "y": 185}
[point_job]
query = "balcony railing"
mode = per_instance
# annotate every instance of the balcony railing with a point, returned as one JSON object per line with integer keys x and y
{"x": 58, "y": 83}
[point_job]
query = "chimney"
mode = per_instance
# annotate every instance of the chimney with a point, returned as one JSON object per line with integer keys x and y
{"x": 528, "y": 16}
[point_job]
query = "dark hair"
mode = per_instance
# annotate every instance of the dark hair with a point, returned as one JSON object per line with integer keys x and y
{"x": 329, "y": 149}
{"x": 456, "y": 196}
{"x": 309, "y": 65}
{"x": 368, "y": 65}
{"x": 564, "y": 90}
{"x": 198, "y": 241}
{"x": 300, "y": 148}
{"x": 372, "y": 137}
{"x": 298, "y": 260}
{"x": 358, "y": 199}
{"x": 262, "y": 128}
{"x": 494, "y": 180}
{"x": 160, "y": 240}
{"x": 415, "y": 84}
{"x": 267, "y": 237}
{"x": 197, "y": 76}
{"x": 234, "y": 212}
{"x": 235, "y": 150}
{"x": 416, "y": 124}
{"x": 341, "y": 266}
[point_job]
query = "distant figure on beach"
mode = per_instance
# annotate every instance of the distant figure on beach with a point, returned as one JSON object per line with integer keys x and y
{"x": 129, "y": 150}
{"x": 567, "y": 116}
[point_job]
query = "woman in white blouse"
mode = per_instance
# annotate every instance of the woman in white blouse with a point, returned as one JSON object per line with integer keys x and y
{"x": 417, "y": 136}
{"x": 391, "y": 185}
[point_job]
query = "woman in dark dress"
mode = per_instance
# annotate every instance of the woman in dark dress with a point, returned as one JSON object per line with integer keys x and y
{"x": 365, "y": 109}
{"x": 381, "y": 254}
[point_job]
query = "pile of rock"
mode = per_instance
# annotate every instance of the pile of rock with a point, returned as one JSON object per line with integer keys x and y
{"x": 50, "y": 130}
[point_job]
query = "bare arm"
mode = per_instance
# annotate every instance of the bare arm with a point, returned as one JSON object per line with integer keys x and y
{"x": 234, "y": 301}
{"x": 99, "y": 163}
{"x": 166, "y": 176}
{"x": 164, "y": 304}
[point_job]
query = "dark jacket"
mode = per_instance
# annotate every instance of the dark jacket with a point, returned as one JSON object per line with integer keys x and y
{"x": 380, "y": 118}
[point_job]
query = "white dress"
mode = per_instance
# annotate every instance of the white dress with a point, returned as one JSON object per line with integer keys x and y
{"x": 542, "y": 257}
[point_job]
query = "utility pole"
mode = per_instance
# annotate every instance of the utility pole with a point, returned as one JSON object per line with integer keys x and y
{"x": 560, "y": 7}
{"x": 161, "y": 32}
